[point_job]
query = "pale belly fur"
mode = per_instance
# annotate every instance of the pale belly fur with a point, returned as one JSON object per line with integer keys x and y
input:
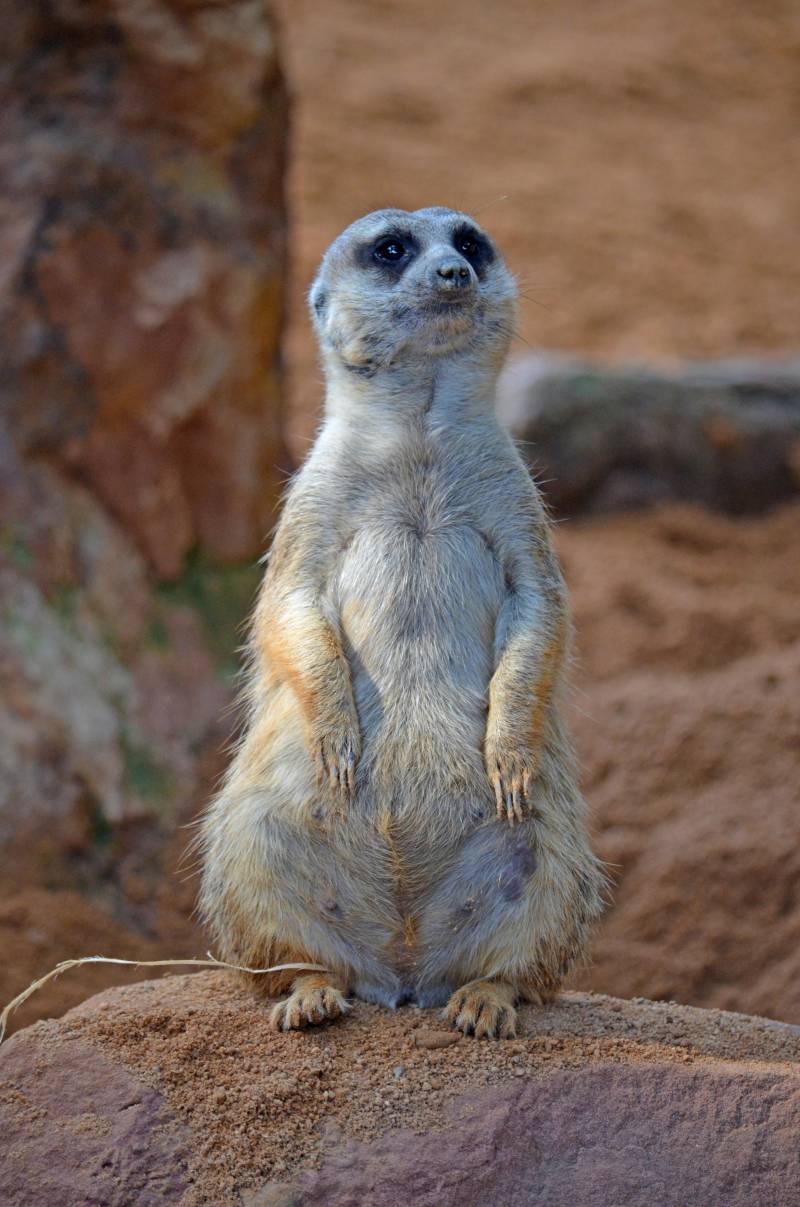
{"x": 418, "y": 612}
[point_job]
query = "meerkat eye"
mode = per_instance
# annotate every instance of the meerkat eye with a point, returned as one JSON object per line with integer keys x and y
{"x": 390, "y": 251}
{"x": 474, "y": 247}
{"x": 468, "y": 246}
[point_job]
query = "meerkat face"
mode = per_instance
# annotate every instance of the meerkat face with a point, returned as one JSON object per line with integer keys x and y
{"x": 398, "y": 286}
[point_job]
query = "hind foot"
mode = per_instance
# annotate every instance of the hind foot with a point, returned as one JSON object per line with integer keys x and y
{"x": 314, "y": 999}
{"x": 484, "y": 1009}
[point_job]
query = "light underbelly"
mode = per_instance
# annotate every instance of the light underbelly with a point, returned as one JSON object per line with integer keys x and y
{"x": 418, "y": 613}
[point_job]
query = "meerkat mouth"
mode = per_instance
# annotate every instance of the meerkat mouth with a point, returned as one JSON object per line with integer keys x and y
{"x": 439, "y": 323}
{"x": 446, "y": 310}
{"x": 447, "y": 303}
{"x": 435, "y": 303}
{"x": 446, "y": 317}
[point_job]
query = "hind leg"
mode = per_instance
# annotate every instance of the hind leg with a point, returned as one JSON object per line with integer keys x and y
{"x": 281, "y": 886}
{"x": 315, "y": 998}
{"x": 507, "y": 921}
{"x": 484, "y": 1009}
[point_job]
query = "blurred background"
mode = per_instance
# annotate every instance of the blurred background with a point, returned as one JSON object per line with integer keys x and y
{"x": 172, "y": 171}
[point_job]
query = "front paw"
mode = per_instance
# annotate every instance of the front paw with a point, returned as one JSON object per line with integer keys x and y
{"x": 512, "y": 773}
{"x": 337, "y": 753}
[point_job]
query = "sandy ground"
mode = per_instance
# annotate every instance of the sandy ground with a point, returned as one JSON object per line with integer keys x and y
{"x": 650, "y": 202}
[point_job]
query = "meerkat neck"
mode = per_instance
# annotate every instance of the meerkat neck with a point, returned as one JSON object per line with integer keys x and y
{"x": 444, "y": 388}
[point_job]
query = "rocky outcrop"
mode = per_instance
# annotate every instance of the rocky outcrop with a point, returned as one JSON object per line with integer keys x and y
{"x": 177, "y": 1091}
{"x": 724, "y": 433}
{"x": 141, "y": 161}
{"x": 142, "y": 247}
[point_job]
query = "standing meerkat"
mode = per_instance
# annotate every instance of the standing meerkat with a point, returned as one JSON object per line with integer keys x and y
{"x": 403, "y": 806}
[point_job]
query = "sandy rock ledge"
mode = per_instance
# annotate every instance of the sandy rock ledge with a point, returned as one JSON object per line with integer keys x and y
{"x": 175, "y": 1091}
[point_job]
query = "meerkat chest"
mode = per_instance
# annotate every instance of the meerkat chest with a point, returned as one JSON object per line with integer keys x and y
{"x": 417, "y": 572}
{"x": 423, "y": 491}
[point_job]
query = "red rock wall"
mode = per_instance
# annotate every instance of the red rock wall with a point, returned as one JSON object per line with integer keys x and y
{"x": 141, "y": 262}
{"x": 142, "y": 254}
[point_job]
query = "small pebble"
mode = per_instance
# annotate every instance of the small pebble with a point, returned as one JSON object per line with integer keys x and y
{"x": 426, "y": 1037}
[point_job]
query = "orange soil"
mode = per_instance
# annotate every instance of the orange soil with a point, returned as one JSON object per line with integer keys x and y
{"x": 688, "y": 726}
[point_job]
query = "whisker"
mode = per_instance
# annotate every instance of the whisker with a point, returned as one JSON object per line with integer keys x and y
{"x": 535, "y": 301}
{"x": 487, "y": 204}
{"x": 512, "y": 333}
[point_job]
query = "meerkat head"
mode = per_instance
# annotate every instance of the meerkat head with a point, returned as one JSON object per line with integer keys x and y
{"x": 398, "y": 287}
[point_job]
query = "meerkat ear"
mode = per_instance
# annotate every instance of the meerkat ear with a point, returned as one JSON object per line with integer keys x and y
{"x": 318, "y": 299}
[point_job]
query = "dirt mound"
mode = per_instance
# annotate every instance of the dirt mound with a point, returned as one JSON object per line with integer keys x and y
{"x": 687, "y": 718}
{"x": 177, "y": 1091}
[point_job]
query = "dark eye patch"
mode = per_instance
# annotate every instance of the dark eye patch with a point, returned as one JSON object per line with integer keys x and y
{"x": 390, "y": 253}
{"x": 474, "y": 247}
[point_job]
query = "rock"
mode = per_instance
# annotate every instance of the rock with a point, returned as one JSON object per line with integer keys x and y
{"x": 142, "y": 250}
{"x": 108, "y": 690}
{"x": 115, "y": 1136}
{"x": 141, "y": 161}
{"x": 599, "y": 1101}
{"x": 724, "y": 433}
{"x": 426, "y": 1037}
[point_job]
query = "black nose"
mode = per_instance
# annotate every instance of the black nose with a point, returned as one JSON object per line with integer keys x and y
{"x": 456, "y": 272}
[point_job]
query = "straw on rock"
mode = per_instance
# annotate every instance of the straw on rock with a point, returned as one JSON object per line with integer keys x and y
{"x": 210, "y": 962}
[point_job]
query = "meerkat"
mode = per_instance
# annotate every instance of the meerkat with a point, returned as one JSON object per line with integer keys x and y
{"x": 403, "y": 807}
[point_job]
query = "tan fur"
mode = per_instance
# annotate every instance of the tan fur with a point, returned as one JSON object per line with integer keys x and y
{"x": 484, "y": 1009}
{"x": 403, "y": 807}
{"x": 314, "y": 999}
